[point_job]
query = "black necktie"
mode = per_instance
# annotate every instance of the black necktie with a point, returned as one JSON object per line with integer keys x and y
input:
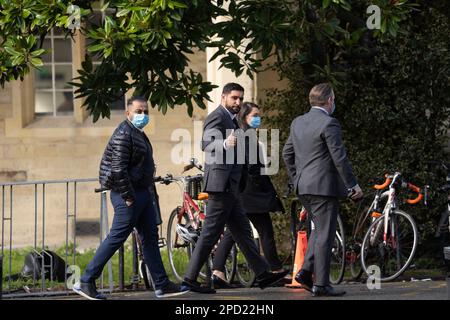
{"x": 236, "y": 125}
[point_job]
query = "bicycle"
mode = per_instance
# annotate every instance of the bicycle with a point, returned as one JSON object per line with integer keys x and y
{"x": 391, "y": 240}
{"x": 353, "y": 246}
{"x": 185, "y": 223}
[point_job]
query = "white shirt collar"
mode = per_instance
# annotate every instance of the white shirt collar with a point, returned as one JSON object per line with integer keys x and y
{"x": 320, "y": 108}
{"x": 232, "y": 116}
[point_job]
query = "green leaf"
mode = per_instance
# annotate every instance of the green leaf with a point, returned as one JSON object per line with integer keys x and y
{"x": 37, "y": 62}
{"x": 178, "y": 4}
{"x": 96, "y": 47}
{"x": 26, "y": 13}
{"x": 105, "y": 6}
{"x": 37, "y": 53}
{"x": 12, "y": 52}
{"x": 108, "y": 23}
{"x": 123, "y": 12}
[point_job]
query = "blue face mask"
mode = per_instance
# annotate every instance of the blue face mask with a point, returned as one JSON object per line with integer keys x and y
{"x": 255, "y": 122}
{"x": 140, "y": 120}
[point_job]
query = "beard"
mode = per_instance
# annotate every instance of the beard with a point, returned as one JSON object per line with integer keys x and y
{"x": 233, "y": 109}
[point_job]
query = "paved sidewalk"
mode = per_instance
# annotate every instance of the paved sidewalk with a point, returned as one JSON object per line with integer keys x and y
{"x": 408, "y": 290}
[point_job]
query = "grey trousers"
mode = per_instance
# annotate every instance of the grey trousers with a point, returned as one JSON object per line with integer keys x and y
{"x": 323, "y": 212}
{"x": 225, "y": 208}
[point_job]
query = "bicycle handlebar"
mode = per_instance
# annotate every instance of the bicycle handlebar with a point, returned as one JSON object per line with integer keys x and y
{"x": 404, "y": 184}
{"x": 419, "y": 194}
{"x": 169, "y": 178}
{"x": 385, "y": 184}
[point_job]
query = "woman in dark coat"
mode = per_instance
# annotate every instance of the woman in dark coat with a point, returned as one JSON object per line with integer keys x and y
{"x": 258, "y": 199}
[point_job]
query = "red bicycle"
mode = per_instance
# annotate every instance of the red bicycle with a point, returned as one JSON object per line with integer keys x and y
{"x": 185, "y": 224}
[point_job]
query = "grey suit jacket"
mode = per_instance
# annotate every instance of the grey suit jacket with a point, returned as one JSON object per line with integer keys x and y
{"x": 315, "y": 156}
{"x": 222, "y": 173}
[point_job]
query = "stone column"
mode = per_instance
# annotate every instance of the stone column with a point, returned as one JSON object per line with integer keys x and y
{"x": 78, "y": 52}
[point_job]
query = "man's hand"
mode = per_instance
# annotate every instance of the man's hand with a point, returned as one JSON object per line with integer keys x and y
{"x": 356, "y": 193}
{"x": 129, "y": 203}
{"x": 231, "y": 140}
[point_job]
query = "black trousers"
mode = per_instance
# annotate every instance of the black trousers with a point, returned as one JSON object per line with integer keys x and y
{"x": 323, "y": 212}
{"x": 225, "y": 208}
{"x": 262, "y": 224}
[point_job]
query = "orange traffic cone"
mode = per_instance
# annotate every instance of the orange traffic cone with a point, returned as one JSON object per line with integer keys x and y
{"x": 300, "y": 250}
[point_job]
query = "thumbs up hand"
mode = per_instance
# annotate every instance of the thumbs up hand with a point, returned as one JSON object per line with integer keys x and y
{"x": 231, "y": 140}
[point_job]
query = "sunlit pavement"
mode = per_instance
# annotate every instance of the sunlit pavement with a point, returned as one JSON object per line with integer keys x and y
{"x": 407, "y": 290}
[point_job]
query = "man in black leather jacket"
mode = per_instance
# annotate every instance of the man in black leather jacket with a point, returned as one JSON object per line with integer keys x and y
{"x": 127, "y": 169}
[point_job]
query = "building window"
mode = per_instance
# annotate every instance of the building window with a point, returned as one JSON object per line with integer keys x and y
{"x": 53, "y": 96}
{"x": 97, "y": 18}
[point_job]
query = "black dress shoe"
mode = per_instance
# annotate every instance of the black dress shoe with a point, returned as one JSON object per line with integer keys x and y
{"x": 327, "y": 291}
{"x": 195, "y": 286}
{"x": 269, "y": 278}
{"x": 304, "y": 277}
{"x": 221, "y": 284}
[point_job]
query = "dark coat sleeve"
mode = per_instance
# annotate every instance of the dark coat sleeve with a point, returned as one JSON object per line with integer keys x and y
{"x": 289, "y": 158}
{"x": 333, "y": 138}
{"x": 213, "y": 130}
{"x": 121, "y": 154}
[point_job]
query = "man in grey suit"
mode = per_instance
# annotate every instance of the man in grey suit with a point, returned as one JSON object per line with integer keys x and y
{"x": 321, "y": 173}
{"x": 222, "y": 183}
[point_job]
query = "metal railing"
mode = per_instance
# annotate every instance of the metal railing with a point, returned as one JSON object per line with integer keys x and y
{"x": 40, "y": 249}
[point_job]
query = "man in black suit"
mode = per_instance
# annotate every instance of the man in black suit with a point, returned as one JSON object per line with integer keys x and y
{"x": 222, "y": 182}
{"x": 321, "y": 173}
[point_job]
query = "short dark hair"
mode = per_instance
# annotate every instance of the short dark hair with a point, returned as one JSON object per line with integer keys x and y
{"x": 232, "y": 86}
{"x": 136, "y": 98}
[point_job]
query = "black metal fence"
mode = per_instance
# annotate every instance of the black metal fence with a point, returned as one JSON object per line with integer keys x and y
{"x": 44, "y": 267}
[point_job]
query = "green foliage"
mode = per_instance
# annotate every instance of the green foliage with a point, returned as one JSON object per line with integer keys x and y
{"x": 392, "y": 101}
{"x": 144, "y": 44}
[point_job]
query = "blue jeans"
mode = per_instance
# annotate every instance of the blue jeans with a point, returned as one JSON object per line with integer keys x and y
{"x": 142, "y": 215}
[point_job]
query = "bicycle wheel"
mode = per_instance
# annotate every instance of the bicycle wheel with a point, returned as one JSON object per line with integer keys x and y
{"x": 231, "y": 265}
{"x": 353, "y": 258}
{"x": 394, "y": 255}
{"x": 244, "y": 273}
{"x": 337, "y": 264}
{"x": 179, "y": 251}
